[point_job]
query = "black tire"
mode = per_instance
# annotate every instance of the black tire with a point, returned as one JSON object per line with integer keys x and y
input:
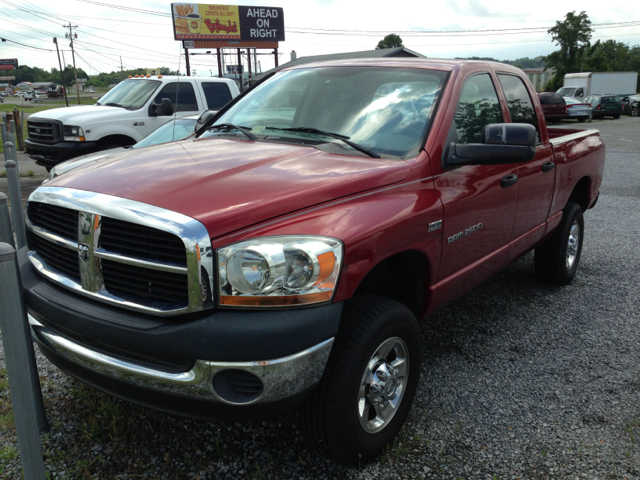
{"x": 331, "y": 419}
{"x": 555, "y": 262}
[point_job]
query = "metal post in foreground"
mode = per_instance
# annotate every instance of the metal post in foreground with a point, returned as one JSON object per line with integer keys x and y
{"x": 6, "y": 231}
{"x": 15, "y": 195}
{"x": 3, "y": 130}
{"x": 18, "y": 347}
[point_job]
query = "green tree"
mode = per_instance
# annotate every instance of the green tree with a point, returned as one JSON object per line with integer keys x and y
{"x": 390, "y": 41}
{"x": 572, "y": 35}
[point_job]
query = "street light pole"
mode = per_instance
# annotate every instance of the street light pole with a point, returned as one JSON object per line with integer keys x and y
{"x": 55, "y": 40}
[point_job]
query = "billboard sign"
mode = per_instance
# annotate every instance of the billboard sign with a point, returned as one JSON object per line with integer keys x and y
{"x": 7, "y": 78}
{"x": 153, "y": 71}
{"x": 8, "y": 63}
{"x": 192, "y": 21}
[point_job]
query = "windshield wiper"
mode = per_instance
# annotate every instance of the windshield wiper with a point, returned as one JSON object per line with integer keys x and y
{"x": 112, "y": 105}
{"x": 244, "y": 130}
{"x": 343, "y": 138}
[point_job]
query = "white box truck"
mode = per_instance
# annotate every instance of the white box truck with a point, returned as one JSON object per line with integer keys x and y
{"x": 582, "y": 85}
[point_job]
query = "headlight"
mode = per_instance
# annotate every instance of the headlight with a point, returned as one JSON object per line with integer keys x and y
{"x": 73, "y": 134}
{"x": 278, "y": 271}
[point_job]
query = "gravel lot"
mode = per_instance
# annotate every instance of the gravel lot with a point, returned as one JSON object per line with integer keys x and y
{"x": 519, "y": 380}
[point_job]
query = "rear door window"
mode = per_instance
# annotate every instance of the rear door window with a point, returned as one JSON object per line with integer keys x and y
{"x": 217, "y": 94}
{"x": 519, "y": 101}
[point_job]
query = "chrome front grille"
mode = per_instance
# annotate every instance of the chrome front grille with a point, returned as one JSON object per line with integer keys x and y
{"x": 130, "y": 281}
{"x": 57, "y": 256}
{"x": 58, "y": 220}
{"x": 44, "y": 131}
{"x": 141, "y": 241}
{"x": 119, "y": 251}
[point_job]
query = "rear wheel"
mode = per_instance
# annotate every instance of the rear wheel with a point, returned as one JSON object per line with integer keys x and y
{"x": 557, "y": 259}
{"x": 368, "y": 386}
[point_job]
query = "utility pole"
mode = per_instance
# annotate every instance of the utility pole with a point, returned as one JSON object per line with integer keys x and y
{"x": 55, "y": 40}
{"x": 73, "y": 55}
{"x": 121, "y": 69}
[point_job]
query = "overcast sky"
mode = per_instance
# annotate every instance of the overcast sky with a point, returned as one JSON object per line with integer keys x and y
{"x": 146, "y": 40}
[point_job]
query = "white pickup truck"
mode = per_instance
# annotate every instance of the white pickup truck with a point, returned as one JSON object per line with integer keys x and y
{"x": 123, "y": 116}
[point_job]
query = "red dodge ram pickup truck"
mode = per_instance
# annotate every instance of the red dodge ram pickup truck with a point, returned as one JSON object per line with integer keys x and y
{"x": 285, "y": 257}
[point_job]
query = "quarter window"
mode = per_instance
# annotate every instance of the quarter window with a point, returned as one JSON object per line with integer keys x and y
{"x": 478, "y": 106}
{"x": 519, "y": 102}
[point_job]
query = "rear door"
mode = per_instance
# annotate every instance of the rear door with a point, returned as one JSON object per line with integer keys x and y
{"x": 216, "y": 94}
{"x": 536, "y": 178}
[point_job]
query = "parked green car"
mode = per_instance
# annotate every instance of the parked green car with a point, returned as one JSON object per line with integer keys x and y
{"x": 605, "y": 105}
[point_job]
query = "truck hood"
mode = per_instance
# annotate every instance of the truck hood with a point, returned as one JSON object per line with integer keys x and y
{"x": 230, "y": 184}
{"x": 79, "y": 114}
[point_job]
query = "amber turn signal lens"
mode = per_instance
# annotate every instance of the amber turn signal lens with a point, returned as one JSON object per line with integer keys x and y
{"x": 256, "y": 301}
{"x": 327, "y": 262}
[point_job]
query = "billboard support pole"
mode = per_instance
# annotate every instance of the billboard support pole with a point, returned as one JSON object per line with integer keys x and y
{"x": 186, "y": 57}
{"x": 249, "y": 65}
{"x": 255, "y": 59}
{"x": 219, "y": 63}
{"x": 240, "y": 67}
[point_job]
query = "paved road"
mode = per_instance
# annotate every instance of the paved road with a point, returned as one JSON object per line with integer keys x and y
{"x": 622, "y": 138}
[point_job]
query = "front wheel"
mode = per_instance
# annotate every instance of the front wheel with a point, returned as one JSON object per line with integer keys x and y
{"x": 556, "y": 260}
{"x": 368, "y": 386}
{"x": 635, "y": 112}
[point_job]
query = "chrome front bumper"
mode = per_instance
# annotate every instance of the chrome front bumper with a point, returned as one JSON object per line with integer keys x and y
{"x": 281, "y": 378}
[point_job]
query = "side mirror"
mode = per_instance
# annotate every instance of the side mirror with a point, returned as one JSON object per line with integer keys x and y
{"x": 163, "y": 109}
{"x": 204, "y": 118}
{"x": 502, "y": 143}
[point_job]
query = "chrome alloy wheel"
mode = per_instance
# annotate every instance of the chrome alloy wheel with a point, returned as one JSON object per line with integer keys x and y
{"x": 572, "y": 244}
{"x": 383, "y": 384}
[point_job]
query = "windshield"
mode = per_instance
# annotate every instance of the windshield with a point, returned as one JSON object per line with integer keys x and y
{"x": 567, "y": 91}
{"x": 130, "y": 94}
{"x": 171, "y": 131}
{"x": 386, "y": 110}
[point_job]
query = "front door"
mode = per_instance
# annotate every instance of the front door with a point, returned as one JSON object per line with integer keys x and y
{"x": 479, "y": 201}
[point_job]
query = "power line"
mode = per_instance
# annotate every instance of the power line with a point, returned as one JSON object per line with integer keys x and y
{"x": 376, "y": 32}
{"x": 28, "y": 46}
{"x": 128, "y": 9}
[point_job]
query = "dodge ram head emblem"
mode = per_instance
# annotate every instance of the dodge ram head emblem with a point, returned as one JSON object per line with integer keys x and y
{"x": 83, "y": 252}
